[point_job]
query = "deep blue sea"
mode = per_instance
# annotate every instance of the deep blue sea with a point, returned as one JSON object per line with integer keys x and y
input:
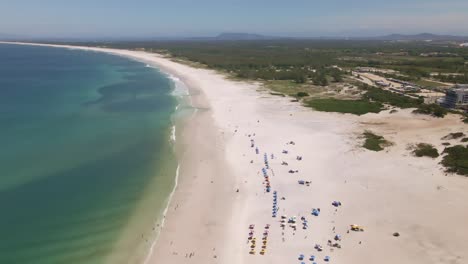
{"x": 86, "y": 164}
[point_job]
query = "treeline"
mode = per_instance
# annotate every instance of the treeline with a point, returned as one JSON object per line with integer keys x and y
{"x": 320, "y": 76}
{"x": 307, "y": 60}
{"x": 463, "y": 78}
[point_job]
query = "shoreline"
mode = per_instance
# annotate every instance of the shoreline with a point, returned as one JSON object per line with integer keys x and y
{"x": 221, "y": 190}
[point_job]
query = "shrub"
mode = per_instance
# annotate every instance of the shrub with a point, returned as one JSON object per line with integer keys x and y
{"x": 356, "y": 107}
{"x": 455, "y": 135}
{"x": 431, "y": 109}
{"x": 425, "y": 150}
{"x": 374, "y": 142}
{"x": 302, "y": 94}
{"x": 456, "y": 159}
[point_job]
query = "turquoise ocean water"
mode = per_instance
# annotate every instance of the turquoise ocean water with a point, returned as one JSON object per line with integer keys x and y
{"x": 86, "y": 164}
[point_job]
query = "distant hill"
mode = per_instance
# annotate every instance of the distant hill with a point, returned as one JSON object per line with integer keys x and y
{"x": 236, "y": 36}
{"x": 422, "y": 37}
{"x": 241, "y": 36}
{"x": 392, "y": 37}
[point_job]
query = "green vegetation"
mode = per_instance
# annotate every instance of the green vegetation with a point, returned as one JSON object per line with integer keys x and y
{"x": 428, "y": 84}
{"x": 464, "y": 140}
{"x": 394, "y": 99}
{"x": 356, "y": 107}
{"x": 372, "y": 102}
{"x": 313, "y": 60}
{"x": 454, "y": 78}
{"x": 277, "y": 94}
{"x": 425, "y": 150}
{"x": 456, "y": 159}
{"x": 455, "y": 135}
{"x": 374, "y": 142}
{"x": 314, "y": 67}
{"x": 431, "y": 109}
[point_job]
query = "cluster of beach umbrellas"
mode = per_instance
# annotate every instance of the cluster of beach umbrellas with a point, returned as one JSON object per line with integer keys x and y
{"x": 267, "y": 180}
{"x": 305, "y": 223}
{"x": 312, "y": 258}
{"x": 275, "y": 204}
{"x": 291, "y": 221}
{"x": 265, "y": 159}
{"x": 265, "y": 239}
{"x": 253, "y": 240}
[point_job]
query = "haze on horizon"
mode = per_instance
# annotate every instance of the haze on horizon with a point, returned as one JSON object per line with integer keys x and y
{"x": 187, "y": 18}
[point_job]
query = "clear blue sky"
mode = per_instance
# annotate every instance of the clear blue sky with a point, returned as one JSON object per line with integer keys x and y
{"x": 141, "y": 18}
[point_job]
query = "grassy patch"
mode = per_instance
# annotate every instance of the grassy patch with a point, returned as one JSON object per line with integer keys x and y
{"x": 455, "y": 135}
{"x": 277, "y": 94}
{"x": 429, "y": 84}
{"x": 283, "y": 86}
{"x": 431, "y": 109}
{"x": 387, "y": 97}
{"x": 356, "y": 107}
{"x": 302, "y": 94}
{"x": 456, "y": 159}
{"x": 464, "y": 140}
{"x": 374, "y": 142}
{"x": 425, "y": 150}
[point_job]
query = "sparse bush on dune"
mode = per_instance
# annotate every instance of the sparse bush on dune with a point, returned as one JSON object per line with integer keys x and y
{"x": 425, "y": 150}
{"x": 456, "y": 159}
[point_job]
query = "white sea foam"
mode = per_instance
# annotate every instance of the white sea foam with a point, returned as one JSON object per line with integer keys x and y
{"x": 180, "y": 89}
{"x": 151, "y": 250}
{"x": 173, "y": 133}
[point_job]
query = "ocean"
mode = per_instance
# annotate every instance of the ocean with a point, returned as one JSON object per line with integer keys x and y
{"x": 86, "y": 158}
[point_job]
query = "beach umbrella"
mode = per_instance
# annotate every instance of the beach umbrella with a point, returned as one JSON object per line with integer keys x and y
{"x": 312, "y": 258}
{"x": 301, "y": 257}
{"x": 327, "y": 258}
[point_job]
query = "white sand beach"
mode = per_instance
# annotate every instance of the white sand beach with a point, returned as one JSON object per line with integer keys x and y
{"x": 221, "y": 190}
